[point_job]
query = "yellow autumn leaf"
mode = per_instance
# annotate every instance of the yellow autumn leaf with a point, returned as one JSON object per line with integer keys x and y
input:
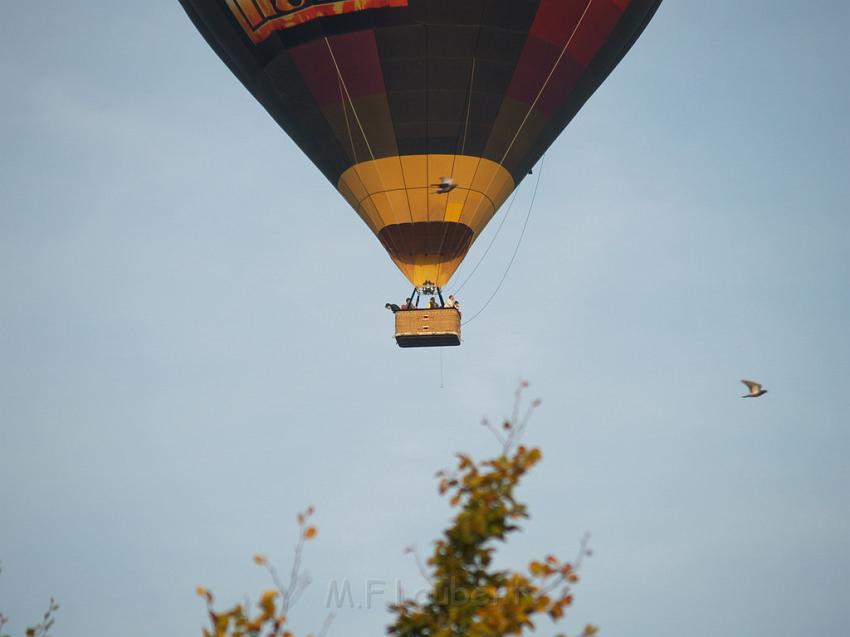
{"x": 266, "y": 602}
{"x": 310, "y": 533}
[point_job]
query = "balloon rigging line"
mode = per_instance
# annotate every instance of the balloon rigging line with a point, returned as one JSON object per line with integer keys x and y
{"x": 351, "y": 141}
{"x": 546, "y": 83}
{"x": 345, "y": 111}
{"x": 540, "y": 92}
{"x": 516, "y": 249}
{"x": 356, "y": 116}
{"x": 465, "y": 131}
{"x": 454, "y": 157}
{"x": 468, "y": 108}
{"x": 348, "y": 96}
{"x": 525, "y": 119}
{"x": 348, "y": 124}
{"x": 471, "y": 84}
{"x": 489, "y": 245}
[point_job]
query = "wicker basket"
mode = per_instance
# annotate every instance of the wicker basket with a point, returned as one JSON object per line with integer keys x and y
{"x": 427, "y": 328}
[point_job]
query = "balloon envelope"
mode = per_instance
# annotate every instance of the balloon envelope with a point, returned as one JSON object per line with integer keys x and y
{"x": 390, "y": 97}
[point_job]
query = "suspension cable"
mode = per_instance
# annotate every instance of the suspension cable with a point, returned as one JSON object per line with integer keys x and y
{"x": 348, "y": 96}
{"x": 539, "y": 94}
{"x": 546, "y": 82}
{"x": 489, "y": 245}
{"x": 356, "y": 116}
{"x": 344, "y": 87}
{"x": 519, "y": 130}
{"x": 516, "y": 249}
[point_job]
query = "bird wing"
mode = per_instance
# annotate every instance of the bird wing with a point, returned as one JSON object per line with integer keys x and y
{"x": 753, "y": 386}
{"x": 445, "y": 182}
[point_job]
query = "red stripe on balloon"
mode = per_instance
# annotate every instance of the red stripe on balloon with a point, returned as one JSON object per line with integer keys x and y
{"x": 595, "y": 29}
{"x": 556, "y": 19}
{"x": 356, "y": 54}
{"x": 553, "y": 25}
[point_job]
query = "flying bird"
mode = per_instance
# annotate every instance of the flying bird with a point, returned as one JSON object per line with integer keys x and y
{"x": 756, "y": 390}
{"x": 446, "y": 185}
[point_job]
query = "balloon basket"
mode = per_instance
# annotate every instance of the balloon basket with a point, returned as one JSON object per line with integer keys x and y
{"x": 438, "y": 327}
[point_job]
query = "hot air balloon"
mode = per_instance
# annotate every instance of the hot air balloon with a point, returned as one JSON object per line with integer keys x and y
{"x": 424, "y": 114}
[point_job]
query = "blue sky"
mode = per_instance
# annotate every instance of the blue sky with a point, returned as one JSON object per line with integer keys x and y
{"x": 185, "y": 363}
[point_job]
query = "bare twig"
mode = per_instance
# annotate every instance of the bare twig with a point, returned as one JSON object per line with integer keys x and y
{"x": 419, "y": 564}
{"x": 515, "y": 426}
{"x": 583, "y": 552}
{"x": 291, "y": 592}
{"x": 293, "y": 574}
{"x": 327, "y": 625}
{"x": 494, "y": 431}
{"x": 47, "y": 620}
